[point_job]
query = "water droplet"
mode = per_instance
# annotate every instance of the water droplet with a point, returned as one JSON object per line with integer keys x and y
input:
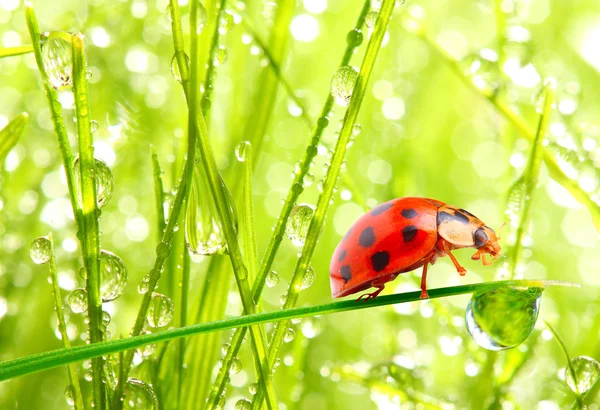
{"x": 144, "y": 285}
{"x": 69, "y": 395}
{"x": 203, "y": 231}
{"x": 168, "y": 13}
{"x": 283, "y": 298}
{"x": 243, "y": 404}
{"x": 113, "y": 273}
{"x": 482, "y": 69}
{"x": 93, "y": 125}
{"x": 236, "y": 366}
{"x": 160, "y": 311}
{"x": 587, "y": 372}
{"x": 308, "y": 279}
{"x": 323, "y": 122}
{"x": 40, "y": 250}
{"x": 104, "y": 181}
{"x": 146, "y": 350}
{"x": 272, "y": 279}
{"x": 309, "y": 179}
{"x": 175, "y": 67}
{"x": 354, "y": 38}
{"x": 139, "y": 395}
{"x": 371, "y": 19}
{"x": 106, "y": 318}
{"x": 225, "y": 348}
{"x": 241, "y": 150}
{"x": 77, "y": 300}
{"x": 502, "y": 318}
{"x": 298, "y": 223}
{"x": 220, "y": 55}
{"x": 356, "y": 129}
{"x": 200, "y": 18}
{"x": 320, "y": 184}
{"x": 342, "y": 84}
{"x": 163, "y": 249}
{"x": 57, "y": 56}
{"x": 289, "y": 335}
{"x": 253, "y": 388}
{"x": 225, "y": 23}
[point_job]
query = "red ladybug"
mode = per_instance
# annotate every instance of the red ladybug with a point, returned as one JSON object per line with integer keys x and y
{"x": 402, "y": 235}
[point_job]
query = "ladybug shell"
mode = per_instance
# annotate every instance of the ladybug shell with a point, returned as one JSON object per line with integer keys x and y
{"x": 393, "y": 238}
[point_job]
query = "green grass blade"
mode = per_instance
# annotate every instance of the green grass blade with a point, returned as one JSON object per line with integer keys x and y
{"x": 15, "y": 51}
{"x": 91, "y": 228}
{"x": 250, "y": 252}
{"x": 9, "y": 135}
{"x": 183, "y": 310}
{"x": 62, "y": 327}
{"x": 278, "y": 234}
{"x": 159, "y": 195}
{"x": 60, "y": 357}
{"x": 316, "y": 224}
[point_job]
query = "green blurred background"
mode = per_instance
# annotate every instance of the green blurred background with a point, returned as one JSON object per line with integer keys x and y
{"x": 424, "y": 133}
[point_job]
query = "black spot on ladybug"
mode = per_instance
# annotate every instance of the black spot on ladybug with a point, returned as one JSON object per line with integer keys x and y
{"x": 381, "y": 208}
{"x": 367, "y": 237}
{"x": 342, "y": 255}
{"x": 345, "y": 271}
{"x": 446, "y": 216}
{"x": 380, "y": 260}
{"x": 409, "y": 213}
{"x": 480, "y": 238}
{"x": 409, "y": 232}
{"x": 467, "y": 212}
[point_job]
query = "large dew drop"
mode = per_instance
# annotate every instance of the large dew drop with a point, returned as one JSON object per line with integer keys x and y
{"x": 139, "y": 395}
{"x": 342, "y": 84}
{"x": 40, "y": 250}
{"x": 298, "y": 223}
{"x": 57, "y": 56}
{"x": 502, "y": 318}
{"x": 160, "y": 311}
{"x": 77, "y": 300}
{"x": 113, "y": 273}
{"x": 105, "y": 184}
{"x": 175, "y": 67}
{"x": 243, "y": 404}
{"x": 483, "y": 70}
{"x": 203, "y": 232}
{"x": 587, "y": 373}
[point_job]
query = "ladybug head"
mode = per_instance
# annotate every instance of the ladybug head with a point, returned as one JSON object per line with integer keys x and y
{"x": 486, "y": 241}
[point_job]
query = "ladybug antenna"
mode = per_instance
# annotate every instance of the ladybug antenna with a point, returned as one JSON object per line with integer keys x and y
{"x": 500, "y": 230}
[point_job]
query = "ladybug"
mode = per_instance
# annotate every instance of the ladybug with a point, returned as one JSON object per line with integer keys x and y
{"x": 402, "y": 235}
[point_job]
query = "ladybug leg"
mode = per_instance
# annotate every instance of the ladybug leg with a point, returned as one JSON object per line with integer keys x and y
{"x": 376, "y": 284}
{"x": 424, "y": 294}
{"x": 461, "y": 271}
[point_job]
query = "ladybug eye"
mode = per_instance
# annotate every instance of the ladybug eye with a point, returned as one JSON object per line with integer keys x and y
{"x": 480, "y": 238}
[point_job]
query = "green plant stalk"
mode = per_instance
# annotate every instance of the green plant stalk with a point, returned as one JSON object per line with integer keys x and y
{"x": 91, "y": 228}
{"x": 531, "y": 176}
{"x": 273, "y": 246}
{"x": 55, "y": 115}
{"x": 183, "y": 309}
{"x": 250, "y": 251}
{"x": 316, "y": 224}
{"x": 159, "y": 195}
{"x": 525, "y": 129}
{"x": 62, "y": 327}
{"x": 500, "y": 31}
{"x": 9, "y": 135}
{"x": 210, "y": 71}
{"x": 60, "y": 357}
{"x": 15, "y": 51}
{"x": 578, "y": 398}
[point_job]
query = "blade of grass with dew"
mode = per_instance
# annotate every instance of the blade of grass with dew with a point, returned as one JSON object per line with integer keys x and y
{"x": 531, "y": 176}
{"x": 205, "y": 104}
{"x": 89, "y": 208}
{"x": 250, "y": 251}
{"x": 425, "y": 402}
{"x": 60, "y": 357}
{"x": 10, "y": 134}
{"x": 277, "y": 237}
{"x": 523, "y": 127}
{"x": 55, "y": 114}
{"x": 15, "y": 51}
{"x": 159, "y": 195}
{"x": 183, "y": 312}
{"x": 316, "y": 224}
{"x": 62, "y": 327}
{"x": 570, "y": 368}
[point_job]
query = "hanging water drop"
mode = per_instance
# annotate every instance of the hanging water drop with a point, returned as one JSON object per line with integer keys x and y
{"x": 225, "y": 348}
{"x": 242, "y": 150}
{"x": 272, "y": 279}
{"x": 139, "y": 395}
{"x": 200, "y": 18}
{"x": 308, "y": 279}
{"x": 371, "y": 19}
{"x": 41, "y": 250}
{"x": 113, "y": 273}
{"x": 253, "y": 388}
{"x": 104, "y": 181}
{"x": 146, "y": 350}
{"x": 298, "y": 223}
{"x": 93, "y": 125}
{"x": 160, "y": 311}
{"x": 225, "y": 23}
{"x": 243, "y": 404}
{"x": 354, "y": 38}
{"x": 69, "y": 395}
{"x": 587, "y": 373}
{"x": 144, "y": 285}
{"x": 502, "y": 318}
{"x": 342, "y": 84}
{"x": 175, "y": 72}
{"x": 220, "y": 55}
{"x": 77, "y": 300}
{"x": 236, "y": 366}
{"x": 482, "y": 69}
{"x": 169, "y": 13}
{"x": 57, "y": 56}
{"x": 308, "y": 179}
{"x": 289, "y": 335}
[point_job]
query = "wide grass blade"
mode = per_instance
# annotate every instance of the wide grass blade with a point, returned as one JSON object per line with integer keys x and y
{"x": 10, "y": 134}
